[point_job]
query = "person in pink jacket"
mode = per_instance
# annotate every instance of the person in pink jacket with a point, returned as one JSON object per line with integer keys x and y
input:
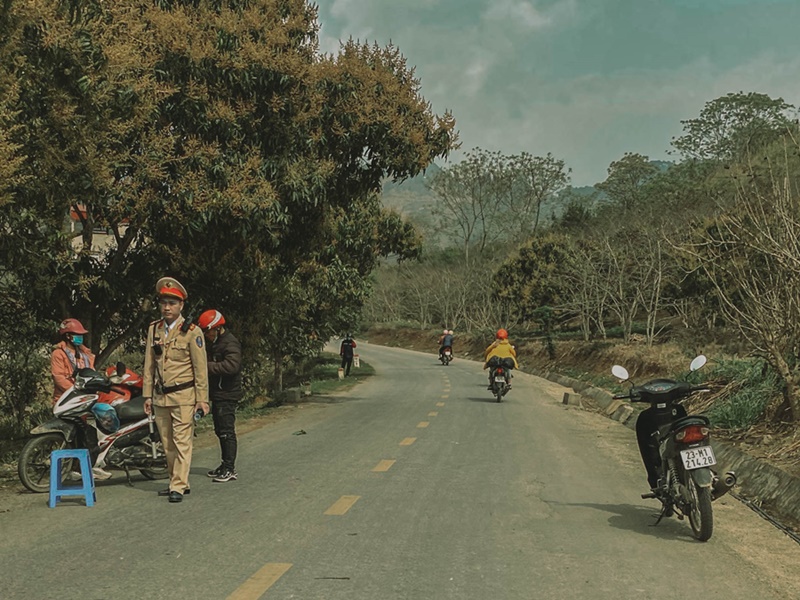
{"x": 69, "y": 354}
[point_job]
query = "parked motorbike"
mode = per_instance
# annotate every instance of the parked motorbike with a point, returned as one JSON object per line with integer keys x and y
{"x": 446, "y": 356}
{"x": 687, "y": 484}
{"x": 500, "y": 376}
{"x": 104, "y": 413}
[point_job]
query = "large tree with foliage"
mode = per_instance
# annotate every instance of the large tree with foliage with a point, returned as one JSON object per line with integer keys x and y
{"x": 734, "y": 126}
{"x": 209, "y": 140}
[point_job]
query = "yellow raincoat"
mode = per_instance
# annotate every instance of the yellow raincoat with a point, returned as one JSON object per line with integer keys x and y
{"x": 500, "y": 349}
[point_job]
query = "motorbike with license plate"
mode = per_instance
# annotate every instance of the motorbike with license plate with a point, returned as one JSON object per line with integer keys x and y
{"x": 500, "y": 376}
{"x": 446, "y": 355}
{"x": 687, "y": 483}
{"x": 104, "y": 413}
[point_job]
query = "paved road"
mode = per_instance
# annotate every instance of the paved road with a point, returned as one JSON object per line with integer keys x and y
{"x": 415, "y": 485}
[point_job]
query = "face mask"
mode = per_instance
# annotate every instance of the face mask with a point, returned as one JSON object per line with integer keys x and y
{"x": 77, "y": 340}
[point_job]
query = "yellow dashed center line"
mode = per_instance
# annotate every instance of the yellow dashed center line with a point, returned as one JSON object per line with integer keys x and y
{"x": 254, "y": 588}
{"x": 440, "y": 404}
{"x": 408, "y": 441}
{"x": 423, "y": 424}
{"x": 433, "y": 413}
{"x": 383, "y": 466}
{"x": 444, "y": 397}
{"x": 342, "y": 505}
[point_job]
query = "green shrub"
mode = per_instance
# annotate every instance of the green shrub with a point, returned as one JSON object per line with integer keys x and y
{"x": 754, "y": 386}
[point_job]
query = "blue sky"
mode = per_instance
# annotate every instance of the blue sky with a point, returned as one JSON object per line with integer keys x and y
{"x": 584, "y": 79}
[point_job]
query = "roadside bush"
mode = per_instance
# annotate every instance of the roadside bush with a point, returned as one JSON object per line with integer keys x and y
{"x": 24, "y": 395}
{"x": 752, "y": 386}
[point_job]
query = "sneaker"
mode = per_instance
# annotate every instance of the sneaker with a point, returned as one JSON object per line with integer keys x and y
{"x": 226, "y": 475}
{"x": 216, "y": 472}
{"x": 101, "y": 474}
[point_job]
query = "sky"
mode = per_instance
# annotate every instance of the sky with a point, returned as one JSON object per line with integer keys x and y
{"x": 586, "y": 80}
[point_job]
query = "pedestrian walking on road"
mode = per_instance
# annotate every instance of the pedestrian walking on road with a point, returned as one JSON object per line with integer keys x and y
{"x": 346, "y": 352}
{"x": 224, "y": 353}
{"x": 175, "y": 382}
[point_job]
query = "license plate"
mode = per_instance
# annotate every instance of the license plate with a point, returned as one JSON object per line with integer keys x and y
{"x": 447, "y": 352}
{"x": 499, "y": 379}
{"x": 697, "y": 458}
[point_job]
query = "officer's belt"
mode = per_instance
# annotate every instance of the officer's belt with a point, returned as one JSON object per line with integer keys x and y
{"x": 168, "y": 389}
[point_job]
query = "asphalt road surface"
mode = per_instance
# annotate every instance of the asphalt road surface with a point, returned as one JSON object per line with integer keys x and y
{"x": 414, "y": 485}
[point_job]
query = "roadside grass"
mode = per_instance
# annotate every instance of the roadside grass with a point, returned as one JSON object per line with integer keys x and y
{"x": 752, "y": 386}
{"x": 325, "y": 375}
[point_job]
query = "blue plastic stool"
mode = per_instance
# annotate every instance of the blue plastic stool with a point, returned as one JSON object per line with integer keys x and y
{"x": 57, "y": 488}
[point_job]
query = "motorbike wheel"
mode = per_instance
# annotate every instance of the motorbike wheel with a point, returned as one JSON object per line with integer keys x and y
{"x": 700, "y": 516}
{"x": 34, "y": 461}
{"x": 499, "y": 393}
{"x": 154, "y": 474}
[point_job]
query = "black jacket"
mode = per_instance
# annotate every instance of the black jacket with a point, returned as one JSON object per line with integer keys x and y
{"x": 225, "y": 369}
{"x": 346, "y": 349}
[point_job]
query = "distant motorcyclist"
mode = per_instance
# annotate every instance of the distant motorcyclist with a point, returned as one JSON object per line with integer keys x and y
{"x": 497, "y": 353}
{"x": 445, "y": 341}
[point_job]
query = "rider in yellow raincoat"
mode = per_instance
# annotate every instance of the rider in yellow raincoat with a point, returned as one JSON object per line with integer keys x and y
{"x": 501, "y": 348}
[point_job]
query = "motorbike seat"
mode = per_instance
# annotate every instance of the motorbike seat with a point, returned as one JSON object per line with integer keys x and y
{"x": 132, "y": 410}
{"x": 690, "y": 420}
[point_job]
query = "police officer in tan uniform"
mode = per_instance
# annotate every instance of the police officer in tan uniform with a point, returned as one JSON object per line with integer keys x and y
{"x": 175, "y": 382}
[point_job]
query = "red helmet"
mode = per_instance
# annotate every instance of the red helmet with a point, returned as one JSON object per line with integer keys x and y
{"x": 502, "y": 334}
{"x": 71, "y": 326}
{"x": 211, "y": 319}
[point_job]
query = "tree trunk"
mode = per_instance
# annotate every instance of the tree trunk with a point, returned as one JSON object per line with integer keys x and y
{"x": 791, "y": 391}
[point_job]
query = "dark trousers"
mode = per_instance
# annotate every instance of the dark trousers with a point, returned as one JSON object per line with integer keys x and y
{"x": 347, "y": 362}
{"x": 224, "y": 415}
{"x": 646, "y": 426}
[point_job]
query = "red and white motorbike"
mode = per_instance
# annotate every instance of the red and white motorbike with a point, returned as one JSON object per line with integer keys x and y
{"x": 104, "y": 413}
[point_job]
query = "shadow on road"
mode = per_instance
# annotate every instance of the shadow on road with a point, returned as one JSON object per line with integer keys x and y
{"x": 641, "y": 519}
{"x": 488, "y": 398}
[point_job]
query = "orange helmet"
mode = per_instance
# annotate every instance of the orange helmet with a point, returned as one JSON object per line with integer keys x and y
{"x": 211, "y": 319}
{"x": 502, "y": 334}
{"x": 71, "y": 326}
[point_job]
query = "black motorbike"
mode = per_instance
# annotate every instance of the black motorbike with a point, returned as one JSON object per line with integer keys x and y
{"x": 687, "y": 484}
{"x": 104, "y": 414}
{"x": 500, "y": 376}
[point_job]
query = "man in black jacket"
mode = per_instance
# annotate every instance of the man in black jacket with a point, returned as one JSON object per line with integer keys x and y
{"x": 224, "y": 388}
{"x": 346, "y": 352}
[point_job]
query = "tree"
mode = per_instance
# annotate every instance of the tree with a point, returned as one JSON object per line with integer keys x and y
{"x": 211, "y": 141}
{"x": 528, "y": 182}
{"x": 468, "y": 198}
{"x": 751, "y": 256}
{"x": 535, "y": 276}
{"x": 625, "y": 184}
{"x": 734, "y": 126}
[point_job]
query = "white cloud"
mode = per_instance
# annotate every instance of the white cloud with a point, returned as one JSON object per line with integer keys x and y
{"x": 519, "y": 12}
{"x": 475, "y": 76}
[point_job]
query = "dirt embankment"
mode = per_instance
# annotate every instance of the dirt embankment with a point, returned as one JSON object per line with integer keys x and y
{"x": 591, "y": 362}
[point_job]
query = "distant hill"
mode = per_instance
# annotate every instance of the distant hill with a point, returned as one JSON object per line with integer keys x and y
{"x": 412, "y": 198}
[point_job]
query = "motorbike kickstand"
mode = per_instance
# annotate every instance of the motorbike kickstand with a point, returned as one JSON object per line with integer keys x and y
{"x": 128, "y": 475}
{"x": 665, "y": 509}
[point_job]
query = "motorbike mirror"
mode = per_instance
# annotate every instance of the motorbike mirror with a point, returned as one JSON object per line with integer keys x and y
{"x": 698, "y": 363}
{"x": 121, "y": 369}
{"x": 620, "y": 372}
